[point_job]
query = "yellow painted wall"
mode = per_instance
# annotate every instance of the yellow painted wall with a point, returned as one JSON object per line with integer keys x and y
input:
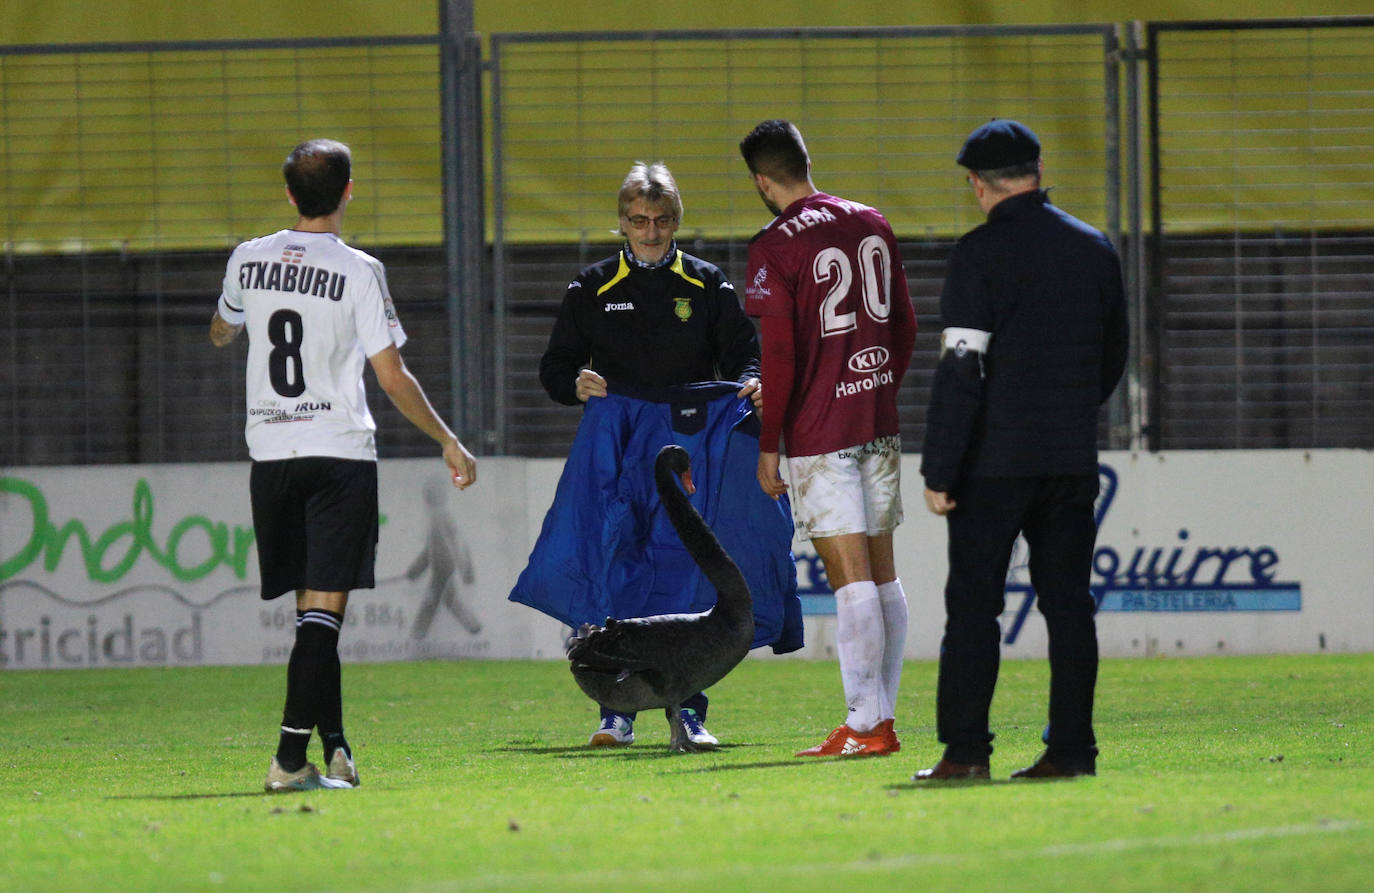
{"x": 122, "y": 21}
{"x": 143, "y": 151}
{"x": 585, "y": 15}
{"x": 65, "y": 21}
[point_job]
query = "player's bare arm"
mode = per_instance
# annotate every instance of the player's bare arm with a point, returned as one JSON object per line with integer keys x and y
{"x": 769, "y": 480}
{"x": 221, "y": 332}
{"x": 461, "y": 463}
{"x": 405, "y": 392}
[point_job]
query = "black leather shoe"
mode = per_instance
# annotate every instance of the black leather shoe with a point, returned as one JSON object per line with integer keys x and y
{"x": 1043, "y": 768}
{"x": 948, "y": 771}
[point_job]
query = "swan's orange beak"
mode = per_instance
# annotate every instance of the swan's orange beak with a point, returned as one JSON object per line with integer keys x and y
{"x": 687, "y": 484}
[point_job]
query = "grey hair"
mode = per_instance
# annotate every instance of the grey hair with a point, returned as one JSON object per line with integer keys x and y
{"x": 996, "y": 176}
{"x": 652, "y": 182}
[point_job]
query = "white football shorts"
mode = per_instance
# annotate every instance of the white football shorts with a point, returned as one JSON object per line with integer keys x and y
{"x": 854, "y": 490}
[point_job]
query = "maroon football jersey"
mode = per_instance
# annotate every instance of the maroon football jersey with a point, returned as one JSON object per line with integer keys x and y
{"x": 832, "y": 267}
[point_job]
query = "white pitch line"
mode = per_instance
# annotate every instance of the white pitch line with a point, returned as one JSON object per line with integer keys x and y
{"x": 1094, "y": 847}
{"x": 1136, "y": 843}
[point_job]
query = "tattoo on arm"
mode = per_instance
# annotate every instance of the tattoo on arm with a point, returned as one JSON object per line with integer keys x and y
{"x": 222, "y": 332}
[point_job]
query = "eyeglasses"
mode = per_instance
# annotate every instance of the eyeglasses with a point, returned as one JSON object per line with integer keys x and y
{"x": 639, "y": 221}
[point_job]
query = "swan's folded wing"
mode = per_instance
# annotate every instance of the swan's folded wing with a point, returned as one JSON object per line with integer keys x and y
{"x": 634, "y": 645}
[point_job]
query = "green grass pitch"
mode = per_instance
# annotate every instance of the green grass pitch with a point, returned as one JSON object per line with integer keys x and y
{"x": 1226, "y": 774}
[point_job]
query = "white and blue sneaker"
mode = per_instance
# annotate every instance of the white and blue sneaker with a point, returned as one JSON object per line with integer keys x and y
{"x": 615, "y": 731}
{"x": 696, "y": 729}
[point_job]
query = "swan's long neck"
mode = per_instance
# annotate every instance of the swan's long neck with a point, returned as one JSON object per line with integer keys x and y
{"x": 702, "y": 545}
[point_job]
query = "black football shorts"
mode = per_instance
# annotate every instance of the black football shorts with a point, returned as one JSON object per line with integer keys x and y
{"x": 316, "y": 524}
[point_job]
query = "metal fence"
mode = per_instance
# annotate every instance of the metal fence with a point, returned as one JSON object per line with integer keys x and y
{"x": 127, "y": 175}
{"x": 1237, "y": 183}
{"x": 1261, "y": 310}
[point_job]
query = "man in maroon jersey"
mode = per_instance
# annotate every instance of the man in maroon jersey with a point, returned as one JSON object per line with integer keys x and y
{"x": 826, "y": 281}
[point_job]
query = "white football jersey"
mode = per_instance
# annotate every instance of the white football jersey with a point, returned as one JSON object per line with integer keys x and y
{"x": 315, "y": 310}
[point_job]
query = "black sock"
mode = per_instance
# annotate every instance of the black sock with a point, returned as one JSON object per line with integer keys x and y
{"x": 312, "y": 683}
{"x": 330, "y": 719}
{"x": 291, "y": 747}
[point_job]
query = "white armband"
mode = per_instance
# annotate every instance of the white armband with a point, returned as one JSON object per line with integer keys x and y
{"x": 229, "y": 313}
{"x": 961, "y": 341}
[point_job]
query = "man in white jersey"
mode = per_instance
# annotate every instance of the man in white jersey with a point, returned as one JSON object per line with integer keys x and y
{"x": 826, "y": 279}
{"x": 315, "y": 310}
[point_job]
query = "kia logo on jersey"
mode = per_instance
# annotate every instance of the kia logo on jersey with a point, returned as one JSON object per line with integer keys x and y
{"x": 868, "y": 359}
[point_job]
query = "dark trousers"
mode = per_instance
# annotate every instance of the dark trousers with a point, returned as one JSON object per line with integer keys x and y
{"x": 1056, "y": 516}
{"x": 697, "y": 702}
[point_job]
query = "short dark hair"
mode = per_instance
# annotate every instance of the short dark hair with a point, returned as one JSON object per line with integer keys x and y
{"x": 776, "y": 150}
{"x": 996, "y": 176}
{"x": 317, "y": 173}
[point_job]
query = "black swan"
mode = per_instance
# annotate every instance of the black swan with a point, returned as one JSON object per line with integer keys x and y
{"x": 644, "y": 662}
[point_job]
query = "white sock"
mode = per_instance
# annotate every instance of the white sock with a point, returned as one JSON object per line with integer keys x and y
{"x": 859, "y": 642}
{"x": 893, "y": 601}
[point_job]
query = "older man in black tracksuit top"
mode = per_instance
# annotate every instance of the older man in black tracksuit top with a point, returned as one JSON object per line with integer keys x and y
{"x": 649, "y": 316}
{"x": 1035, "y": 341}
{"x": 653, "y": 325}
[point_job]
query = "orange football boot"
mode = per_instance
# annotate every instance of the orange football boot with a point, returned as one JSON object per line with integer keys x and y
{"x": 887, "y": 727}
{"x": 845, "y": 742}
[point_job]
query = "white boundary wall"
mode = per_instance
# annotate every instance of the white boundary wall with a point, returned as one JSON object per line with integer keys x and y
{"x": 1198, "y": 553}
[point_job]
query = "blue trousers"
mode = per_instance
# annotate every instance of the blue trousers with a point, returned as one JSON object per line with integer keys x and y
{"x": 696, "y": 702}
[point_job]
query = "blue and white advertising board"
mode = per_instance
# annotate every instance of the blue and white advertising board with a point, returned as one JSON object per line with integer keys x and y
{"x": 1224, "y": 552}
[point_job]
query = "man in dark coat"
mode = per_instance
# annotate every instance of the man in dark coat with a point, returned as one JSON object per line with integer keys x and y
{"x": 1035, "y": 341}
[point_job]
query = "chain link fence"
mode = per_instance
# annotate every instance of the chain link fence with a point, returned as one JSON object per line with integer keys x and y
{"x": 128, "y": 172}
{"x": 883, "y": 111}
{"x": 1263, "y": 219}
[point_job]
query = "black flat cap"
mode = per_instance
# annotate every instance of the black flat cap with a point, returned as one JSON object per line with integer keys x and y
{"x": 999, "y": 143}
